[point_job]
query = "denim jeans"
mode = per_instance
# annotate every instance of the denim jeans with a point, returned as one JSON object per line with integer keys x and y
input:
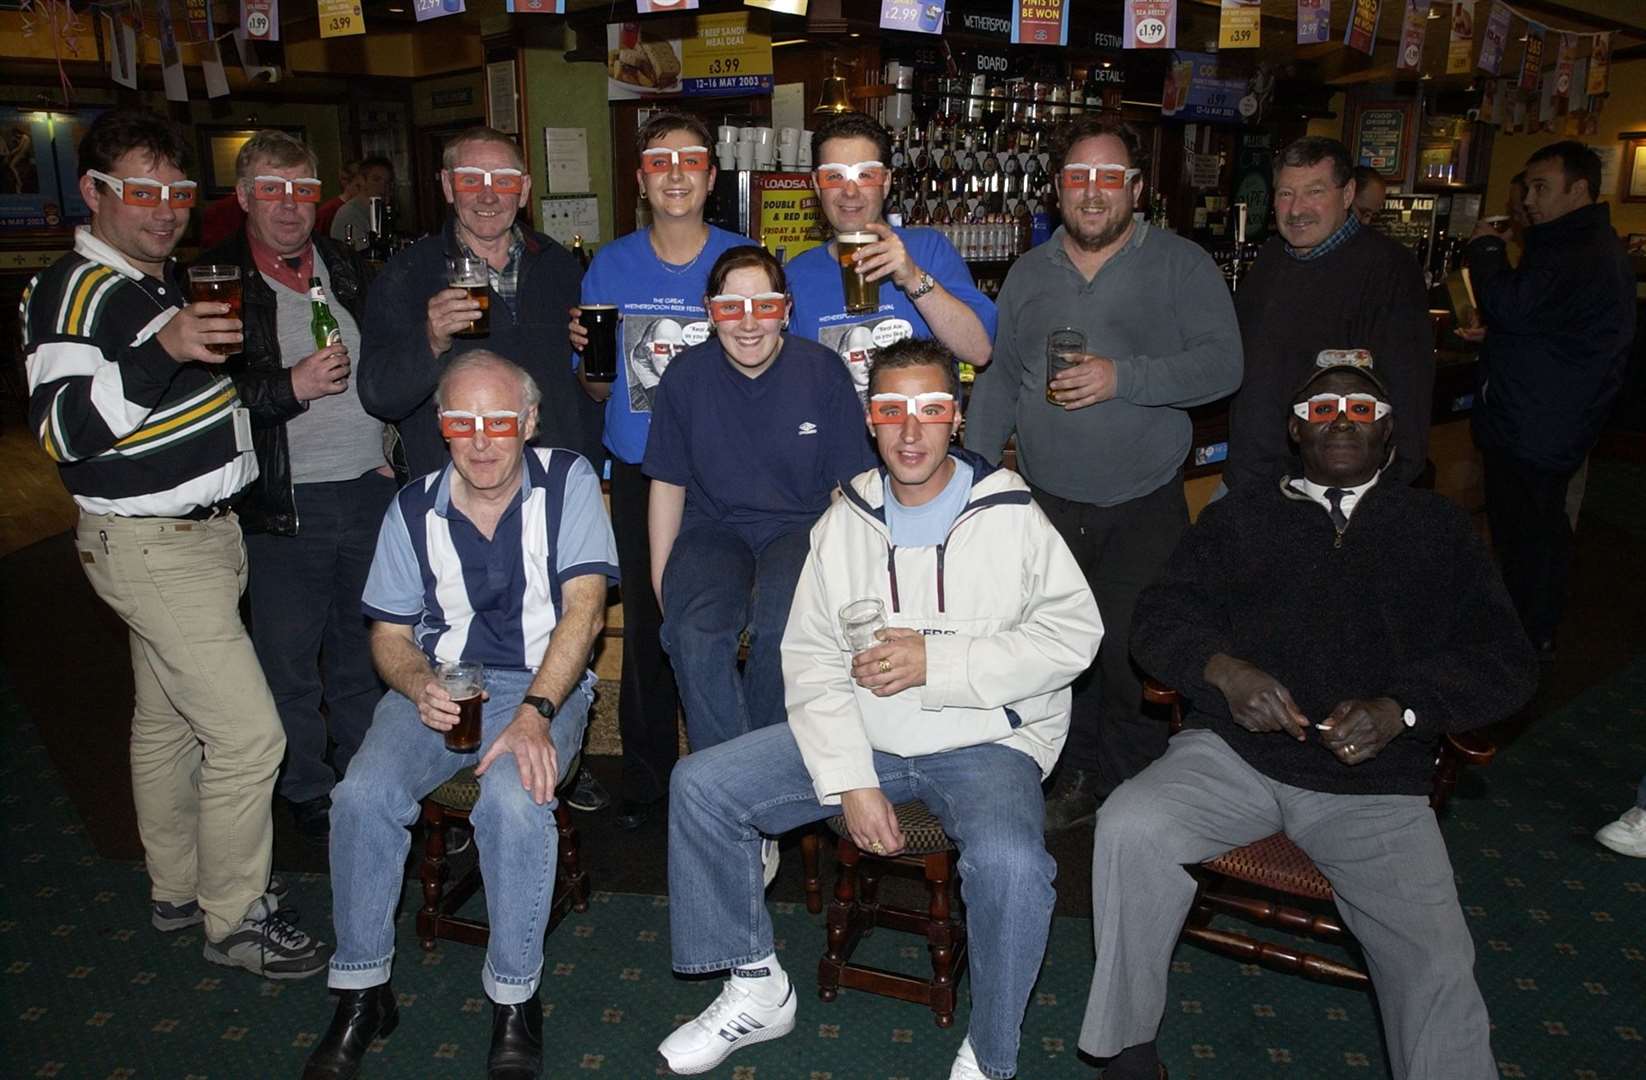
{"x": 400, "y": 762}
{"x": 714, "y": 587}
{"x": 988, "y": 798}
{"x": 310, "y": 635}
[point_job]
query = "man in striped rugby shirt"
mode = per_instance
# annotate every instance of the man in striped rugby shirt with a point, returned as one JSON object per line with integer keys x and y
{"x": 151, "y": 439}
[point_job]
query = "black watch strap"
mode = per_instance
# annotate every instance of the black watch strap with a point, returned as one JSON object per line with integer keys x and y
{"x": 543, "y": 705}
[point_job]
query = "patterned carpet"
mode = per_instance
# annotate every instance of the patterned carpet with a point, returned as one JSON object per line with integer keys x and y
{"x": 90, "y": 990}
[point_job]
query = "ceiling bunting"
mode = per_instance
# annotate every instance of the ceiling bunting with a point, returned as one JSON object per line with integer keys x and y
{"x": 1600, "y": 64}
{"x": 1314, "y": 22}
{"x": 171, "y": 66}
{"x": 535, "y": 7}
{"x": 1240, "y": 24}
{"x": 1361, "y": 32}
{"x": 1151, "y": 24}
{"x": 658, "y": 7}
{"x": 1460, "y": 46}
{"x": 260, "y": 19}
{"x": 1531, "y": 59}
{"x": 1494, "y": 40}
{"x": 1413, "y": 27}
{"x": 211, "y": 66}
{"x": 1565, "y": 57}
{"x": 425, "y": 10}
{"x": 199, "y": 19}
{"x": 120, "y": 41}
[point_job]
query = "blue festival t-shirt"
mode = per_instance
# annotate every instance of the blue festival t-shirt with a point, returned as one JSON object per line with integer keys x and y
{"x": 661, "y": 305}
{"x": 820, "y": 302}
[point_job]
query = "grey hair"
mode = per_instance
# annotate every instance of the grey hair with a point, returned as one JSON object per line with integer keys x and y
{"x": 280, "y": 149}
{"x": 479, "y": 359}
{"x": 479, "y": 134}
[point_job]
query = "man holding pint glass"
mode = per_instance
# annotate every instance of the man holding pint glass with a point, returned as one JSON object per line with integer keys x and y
{"x": 1142, "y": 326}
{"x": 498, "y": 561}
{"x": 127, "y": 394}
{"x": 642, "y": 302}
{"x": 873, "y": 280}
{"x": 485, "y": 281}
{"x": 936, "y": 625}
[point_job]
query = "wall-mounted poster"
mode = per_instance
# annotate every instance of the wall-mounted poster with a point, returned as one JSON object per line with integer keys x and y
{"x": 1382, "y": 132}
{"x": 39, "y": 170}
{"x": 724, "y": 57}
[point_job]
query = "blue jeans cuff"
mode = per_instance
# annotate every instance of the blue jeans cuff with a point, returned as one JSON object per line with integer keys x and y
{"x": 359, "y": 976}
{"x": 509, "y": 990}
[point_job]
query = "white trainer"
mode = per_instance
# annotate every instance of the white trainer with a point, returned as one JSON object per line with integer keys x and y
{"x": 736, "y": 1019}
{"x": 770, "y": 858}
{"x": 965, "y": 1064}
{"x": 1626, "y": 835}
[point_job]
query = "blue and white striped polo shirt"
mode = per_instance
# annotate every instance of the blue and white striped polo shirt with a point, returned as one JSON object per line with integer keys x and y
{"x": 493, "y": 601}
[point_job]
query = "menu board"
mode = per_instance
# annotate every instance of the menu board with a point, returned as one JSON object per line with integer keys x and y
{"x": 1410, "y": 219}
{"x": 1382, "y": 133}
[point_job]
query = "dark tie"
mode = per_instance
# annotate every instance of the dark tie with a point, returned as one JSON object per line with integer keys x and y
{"x": 1340, "y": 520}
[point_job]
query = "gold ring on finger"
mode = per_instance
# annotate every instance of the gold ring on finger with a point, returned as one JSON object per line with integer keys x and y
{"x": 884, "y": 665}
{"x": 878, "y": 848}
{"x": 1351, "y": 748}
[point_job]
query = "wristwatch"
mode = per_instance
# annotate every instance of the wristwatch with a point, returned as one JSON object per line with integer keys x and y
{"x": 543, "y": 705}
{"x": 927, "y": 284}
{"x": 1409, "y": 718}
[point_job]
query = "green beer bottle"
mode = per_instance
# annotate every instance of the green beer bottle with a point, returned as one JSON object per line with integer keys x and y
{"x": 323, "y": 324}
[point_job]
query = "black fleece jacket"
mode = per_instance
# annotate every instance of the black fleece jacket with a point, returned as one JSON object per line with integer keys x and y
{"x": 1404, "y": 603}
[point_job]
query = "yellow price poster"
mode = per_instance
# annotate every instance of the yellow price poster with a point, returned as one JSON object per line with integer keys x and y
{"x": 725, "y": 57}
{"x": 1239, "y": 24}
{"x": 340, "y": 18}
{"x": 785, "y": 214}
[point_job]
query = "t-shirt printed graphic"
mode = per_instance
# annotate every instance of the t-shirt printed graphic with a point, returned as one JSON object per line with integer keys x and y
{"x": 650, "y": 344}
{"x": 857, "y": 338}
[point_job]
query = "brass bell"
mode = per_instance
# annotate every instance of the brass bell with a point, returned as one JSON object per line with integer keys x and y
{"x": 835, "y": 98}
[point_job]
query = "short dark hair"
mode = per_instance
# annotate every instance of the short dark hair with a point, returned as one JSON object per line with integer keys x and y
{"x": 119, "y": 131}
{"x": 747, "y": 255}
{"x": 1090, "y": 126}
{"x": 1312, "y": 150}
{"x": 852, "y": 125}
{"x": 664, "y": 123}
{"x": 376, "y": 161}
{"x": 1364, "y": 175}
{"x": 916, "y": 352}
{"x": 1577, "y": 161}
{"x": 1519, "y": 178}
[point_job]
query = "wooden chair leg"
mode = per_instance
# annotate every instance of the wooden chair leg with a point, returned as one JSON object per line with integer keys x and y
{"x": 432, "y": 872}
{"x": 940, "y": 939}
{"x": 811, "y": 853}
{"x": 571, "y": 858}
{"x": 840, "y": 919}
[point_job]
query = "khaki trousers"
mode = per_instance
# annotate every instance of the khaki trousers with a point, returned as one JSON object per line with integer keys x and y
{"x": 206, "y": 741}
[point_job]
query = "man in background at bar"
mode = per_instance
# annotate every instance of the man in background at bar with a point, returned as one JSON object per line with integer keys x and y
{"x": 349, "y": 178}
{"x": 1371, "y": 192}
{"x": 312, "y": 515}
{"x": 926, "y": 289}
{"x": 127, "y": 394}
{"x": 1559, "y": 327}
{"x": 1106, "y": 460}
{"x": 1327, "y": 284}
{"x": 374, "y": 180}
{"x": 415, "y": 321}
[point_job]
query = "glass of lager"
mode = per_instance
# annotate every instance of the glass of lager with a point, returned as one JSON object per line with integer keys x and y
{"x": 471, "y": 274}
{"x": 217, "y": 284}
{"x": 464, "y": 681}
{"x": 862, "y": 296}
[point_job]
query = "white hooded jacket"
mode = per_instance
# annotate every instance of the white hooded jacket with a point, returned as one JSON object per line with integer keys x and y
{"x": 1008, "y": 618}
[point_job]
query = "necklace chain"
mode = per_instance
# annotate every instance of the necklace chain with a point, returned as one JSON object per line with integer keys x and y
{"x": 671, "y": 267}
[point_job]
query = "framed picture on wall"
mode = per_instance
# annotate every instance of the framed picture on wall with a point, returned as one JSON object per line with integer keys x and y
{"x": 219, "y": 146}
{"x": 1632, "y": 170}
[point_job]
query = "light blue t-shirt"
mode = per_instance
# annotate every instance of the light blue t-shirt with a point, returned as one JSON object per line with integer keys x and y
{"x": 928, "y": 524}
{"x": 661, "y": 305}
{"x": 820, "y": 302}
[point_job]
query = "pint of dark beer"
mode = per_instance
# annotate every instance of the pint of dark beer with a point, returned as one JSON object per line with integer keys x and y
{"x": 217, "y": 285}
{"x": 464, "y": 681}
{"x": 862, "y": 296}
{"x": 470, "y": 274}
{"x": 600, "y": 358}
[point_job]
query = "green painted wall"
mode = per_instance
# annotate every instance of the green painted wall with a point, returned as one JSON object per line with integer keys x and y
{"x": 559, "y": 94}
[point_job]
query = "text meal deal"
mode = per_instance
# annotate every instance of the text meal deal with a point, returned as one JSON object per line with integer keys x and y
{"x": 726, "y": 57}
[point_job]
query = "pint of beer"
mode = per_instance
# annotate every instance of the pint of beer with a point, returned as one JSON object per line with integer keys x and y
{"x": 1064, "y": 349}
{"x": 217, "y": 284}
{"x": 862, "y": 296}
{"x": 464, "y": 681}
{"x": 600, "y": 357}
{"x": 471, "y": 275}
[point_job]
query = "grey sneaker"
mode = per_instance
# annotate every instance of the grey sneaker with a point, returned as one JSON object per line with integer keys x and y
{"x": 267, "y": 945}
{"x": 587, "y": 794}
{"x": 168, "y": 918}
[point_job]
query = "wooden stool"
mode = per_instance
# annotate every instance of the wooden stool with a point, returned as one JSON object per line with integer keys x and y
{"x": 450, "y": 803}
{"x": 928, "y": 855}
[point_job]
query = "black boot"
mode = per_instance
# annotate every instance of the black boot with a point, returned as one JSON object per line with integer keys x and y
{"x": 517, "y": 1041}
{"x": 1073, "y": 801}
{"x": 362, "y": 1015}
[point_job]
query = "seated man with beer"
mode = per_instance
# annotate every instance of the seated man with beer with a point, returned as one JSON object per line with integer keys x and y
{"x": 501, "y": 559}
{"x": 936, "y": 627}
{"x": 1327, "y": 630}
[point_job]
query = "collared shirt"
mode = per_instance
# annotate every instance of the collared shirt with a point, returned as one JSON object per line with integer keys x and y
{"x": 1351, "y": 495}
{"x": 494, "y": 601}
{"x": 505, "y": 283}
{"x": 293, "y": 272}
{"x": 1350, "y": 226}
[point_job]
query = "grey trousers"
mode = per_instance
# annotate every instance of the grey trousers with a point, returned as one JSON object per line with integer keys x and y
{"x": 1382, "y": 853}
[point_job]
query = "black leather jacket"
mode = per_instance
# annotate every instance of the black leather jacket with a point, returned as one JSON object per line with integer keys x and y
{"x": 264, "y": 382}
